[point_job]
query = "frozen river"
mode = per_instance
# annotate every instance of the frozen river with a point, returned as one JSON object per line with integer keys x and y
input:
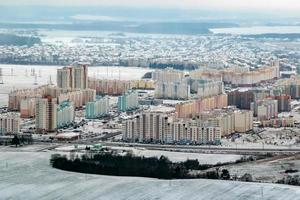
{"x": 21, "y": 76}
{"x": 258, "y": 30}
{"x": 28, "y": 175}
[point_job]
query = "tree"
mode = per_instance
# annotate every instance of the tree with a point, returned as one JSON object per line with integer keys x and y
{"x": 15, "y": 141}
{"x": 247, "y": 178}
{"x": 191, "y": 164}
{"x": 225, "y": 174}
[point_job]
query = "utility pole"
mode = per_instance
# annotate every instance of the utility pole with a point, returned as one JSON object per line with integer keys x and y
{"x": 1, "y": 76}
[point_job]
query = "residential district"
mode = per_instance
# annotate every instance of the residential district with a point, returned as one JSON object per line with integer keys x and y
{"x": 196, "y": 107}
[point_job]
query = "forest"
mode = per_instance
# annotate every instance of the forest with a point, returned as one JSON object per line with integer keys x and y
{"x": 129, "y": 165}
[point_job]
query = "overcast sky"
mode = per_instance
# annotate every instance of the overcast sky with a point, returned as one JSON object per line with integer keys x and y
{"x": 278, "y": 5}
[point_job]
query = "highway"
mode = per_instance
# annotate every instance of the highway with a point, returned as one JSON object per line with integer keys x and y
{"x": 183, "y": 148}
{"x": 208, "y": 149}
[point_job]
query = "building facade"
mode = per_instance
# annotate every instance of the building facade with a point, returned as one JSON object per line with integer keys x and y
{"x": 9, "y": 123}
{"x": 160, "y": 127}
{"x": 196, "y": 107}
{"x": 172, "y": 90}
{"x": 265, "y": 109}
{"x": 128, "y": 101}
{"x": 65, "y": 114}
{"x": 97, "y": 108}
{"x": 73, "y": 77}
{"x": 46, "y": 114}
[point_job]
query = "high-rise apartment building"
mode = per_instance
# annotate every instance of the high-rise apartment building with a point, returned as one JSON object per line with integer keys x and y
{"x": 97, "y": 108}
{"x": 73, "y": 77}
{"x": 65, "y": 114}
{"x": 243, "y": 121}
{"x": 160, "y": 127}
{"x": 172, "y": 90}
{"x": 168, "y": 75}
{"x": 265, "y": 109}
{"x": 27, "y": 107}
{"x": 284, "y": 103}
{"x": 9, "y": 123}
{"x": 128, "y": 101}
{"x": 193, "y": 108}
{"x": 64, "y": 77}
{"x": 46, "y": 114}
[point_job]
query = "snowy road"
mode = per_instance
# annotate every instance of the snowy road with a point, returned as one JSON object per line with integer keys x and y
{"x": 27, "y": 175}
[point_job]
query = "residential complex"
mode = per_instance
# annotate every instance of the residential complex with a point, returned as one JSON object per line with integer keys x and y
{"x": 97, "y": 108}
{"x": 118, "y": 87}
{"x": 46, "y": 115}
{"x": 168, "y": 75}
{"x": 73, "y": 77}
{"x": 265, "y": 109}
{"x": 10, "y": 123}
{"x": 237, "y": 76}
{"x": 163, "y": 128}
{"x": 172, "y": 90}
{"x": 128, "y": 101}
{"x": 65, "y": 114}
{"x": 109, "y": 87}
{"x": 23, "y": 100}
{"x": 195, "y": 107}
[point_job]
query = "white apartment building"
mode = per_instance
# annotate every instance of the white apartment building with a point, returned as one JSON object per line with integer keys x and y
{"x": 265, "y": 109}
{"x": 27, "y": 107}
{"x": 65, "y": 114}
{"x": 73, "y": 77}
{"x": 172, "y": 90}
{"x": 159, "y": 127}
{"x": 10, "y": 123}
{"x": 209, "y": 88}
{"x": 64, "y": 77}
{"x": 46, "y": 113}
{"x": 243, "y": 121}
{"x": 128, "y": 101}
{"x": 168, "y": 75}
{"x": 97, "y": 108}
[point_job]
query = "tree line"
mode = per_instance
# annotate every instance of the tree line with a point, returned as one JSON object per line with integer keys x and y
{"x": 129, "y": 165}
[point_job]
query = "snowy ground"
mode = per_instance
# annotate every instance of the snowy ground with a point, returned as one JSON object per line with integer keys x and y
{"x": 271, "y": 138}
{"x": 270, "y": 170}
{"x": 29, "y": 176}
{"x": 173, "y": 156}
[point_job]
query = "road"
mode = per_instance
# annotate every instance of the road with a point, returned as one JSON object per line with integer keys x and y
{"x": 208, "y": 149}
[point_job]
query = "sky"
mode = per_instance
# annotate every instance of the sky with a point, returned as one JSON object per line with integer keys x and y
{"x": 267, "y": 5}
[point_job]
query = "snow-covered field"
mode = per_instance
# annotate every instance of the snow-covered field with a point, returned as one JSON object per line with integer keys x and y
{"x": 173, "y": 156}
{"x": 29, "y": 176}
{"x": 270, "y": 170}
{"x": 181, "y": 156}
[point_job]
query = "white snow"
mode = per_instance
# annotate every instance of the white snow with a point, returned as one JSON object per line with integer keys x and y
{"x": 29, "y": 176}
{"x": 182, "y": 156}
